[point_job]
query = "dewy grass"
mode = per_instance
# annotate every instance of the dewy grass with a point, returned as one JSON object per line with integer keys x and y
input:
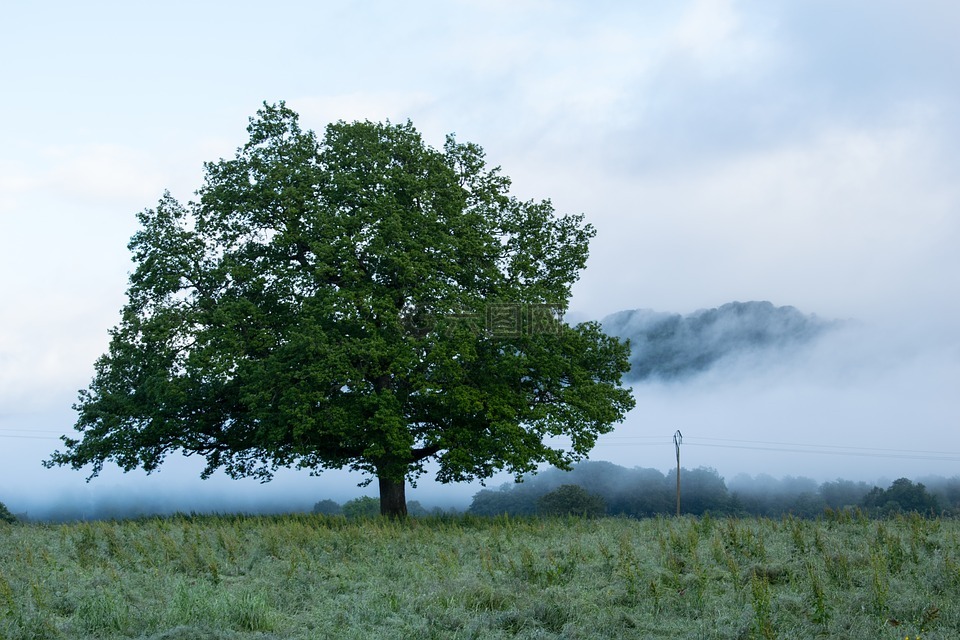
{"x": 312, "y": 576}
{"x": 762, "y": 624}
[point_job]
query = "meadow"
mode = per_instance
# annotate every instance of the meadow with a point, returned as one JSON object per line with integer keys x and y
{"x": 312, "y": 576}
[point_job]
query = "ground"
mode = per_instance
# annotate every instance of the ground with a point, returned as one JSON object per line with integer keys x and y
{"x": 313, "y": 576}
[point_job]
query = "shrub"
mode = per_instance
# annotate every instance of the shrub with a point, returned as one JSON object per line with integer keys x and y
{"x": 328, "y": 507}
{"x": 572, "y": 499}
{"x": 516, "y": 500}
{"x": 365, "y": 507}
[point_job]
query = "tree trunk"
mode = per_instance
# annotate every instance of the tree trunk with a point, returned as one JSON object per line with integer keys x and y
{"x": 393, "y": 499}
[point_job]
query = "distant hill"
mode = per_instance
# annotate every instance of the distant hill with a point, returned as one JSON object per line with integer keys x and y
{"x": 672, "y": 346}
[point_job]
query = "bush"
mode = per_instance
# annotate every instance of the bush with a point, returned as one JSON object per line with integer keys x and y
{"x": 365, "y": 507}
{"x": 515, "y": 500}
{"x": 572, "y": 499}
{"x": 5, "y": 515}
{"x": 328, "y": 507}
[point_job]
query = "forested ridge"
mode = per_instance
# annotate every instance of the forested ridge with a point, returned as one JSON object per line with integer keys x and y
{"x": 643, "y": 492}
{"x": 671, "y": 346}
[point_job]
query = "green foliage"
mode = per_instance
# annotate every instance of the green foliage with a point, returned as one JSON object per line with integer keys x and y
{"x": 702, "y": 490}
{"x": 364, "y": 507}
{"x": 328, "y": 507}
{"x": 902, "y": 495}
{"x": 571, "y": 499}
{"x": 517, "y": 500}
{"x": 323, "y": 305}
{"x": 5, "y": 515}
{"x": 762, "y": 616}
{"x": 640, "y": 492}
{"x": 634, "y": 492}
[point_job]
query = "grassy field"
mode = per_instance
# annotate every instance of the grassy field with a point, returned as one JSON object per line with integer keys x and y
{"x": 305, "y": 576}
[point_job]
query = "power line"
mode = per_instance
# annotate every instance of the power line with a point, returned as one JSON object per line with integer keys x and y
{"x": 31, "y": 430}
{"x": 820, "y": 446}
{"x": 787, "y": 447}
{"x": 631, "y": 440}
{"x": 23, "y": 433}
{"x": 904, "y": 455}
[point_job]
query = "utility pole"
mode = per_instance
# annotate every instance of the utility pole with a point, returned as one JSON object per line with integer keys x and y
{"x": 677, "y": 440}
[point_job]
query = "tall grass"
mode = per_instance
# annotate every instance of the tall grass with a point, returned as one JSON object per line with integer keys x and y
{"x": 313, "y": 576}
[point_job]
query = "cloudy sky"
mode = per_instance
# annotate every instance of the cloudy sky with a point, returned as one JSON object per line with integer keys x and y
{"x": 805, "y": 152}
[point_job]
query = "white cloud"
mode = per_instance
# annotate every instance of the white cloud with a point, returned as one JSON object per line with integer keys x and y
{"x": 850, "y": 221}
{"x": 104, "y": 173}
{"x": 706, "y": 27}
{"x": 376, "y": 106}
{"x": 47, "y": 349}
{"x": 14, "y": 185}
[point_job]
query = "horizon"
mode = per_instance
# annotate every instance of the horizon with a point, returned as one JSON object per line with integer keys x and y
{"x": 77, "y": 506}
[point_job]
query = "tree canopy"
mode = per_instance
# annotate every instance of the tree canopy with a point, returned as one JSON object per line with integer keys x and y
{"x": 572, "y": 499}
{"x": 362, "y": 301}
{"x": 902, "y": 495}
{"x": 362, "y": 507}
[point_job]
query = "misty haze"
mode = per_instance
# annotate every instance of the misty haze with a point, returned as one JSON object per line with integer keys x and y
{"x": 756, "y": 389}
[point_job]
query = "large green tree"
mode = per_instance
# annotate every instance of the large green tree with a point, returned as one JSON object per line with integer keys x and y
{"x": 360, "y": 301}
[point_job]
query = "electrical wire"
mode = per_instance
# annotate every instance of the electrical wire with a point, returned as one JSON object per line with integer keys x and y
{"x": 25, "y": 433}
{"x": 905, "y": 455}
{"x": 787, "y": 447}
{"x": 817, "y": 446}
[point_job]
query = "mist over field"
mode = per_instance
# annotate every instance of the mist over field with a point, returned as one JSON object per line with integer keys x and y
{"x": 756, "y": 390}
{"x": 862, "y": 400}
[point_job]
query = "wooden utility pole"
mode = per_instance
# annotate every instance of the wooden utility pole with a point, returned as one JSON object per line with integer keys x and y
{"x": 677, "y": 440}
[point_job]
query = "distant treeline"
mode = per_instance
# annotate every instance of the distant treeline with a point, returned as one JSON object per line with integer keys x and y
{"x": 609, "y": 489}
{"x": 603, "y": 488}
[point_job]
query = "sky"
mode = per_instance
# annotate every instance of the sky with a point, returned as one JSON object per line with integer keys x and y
{"x": 803, "y": 152}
